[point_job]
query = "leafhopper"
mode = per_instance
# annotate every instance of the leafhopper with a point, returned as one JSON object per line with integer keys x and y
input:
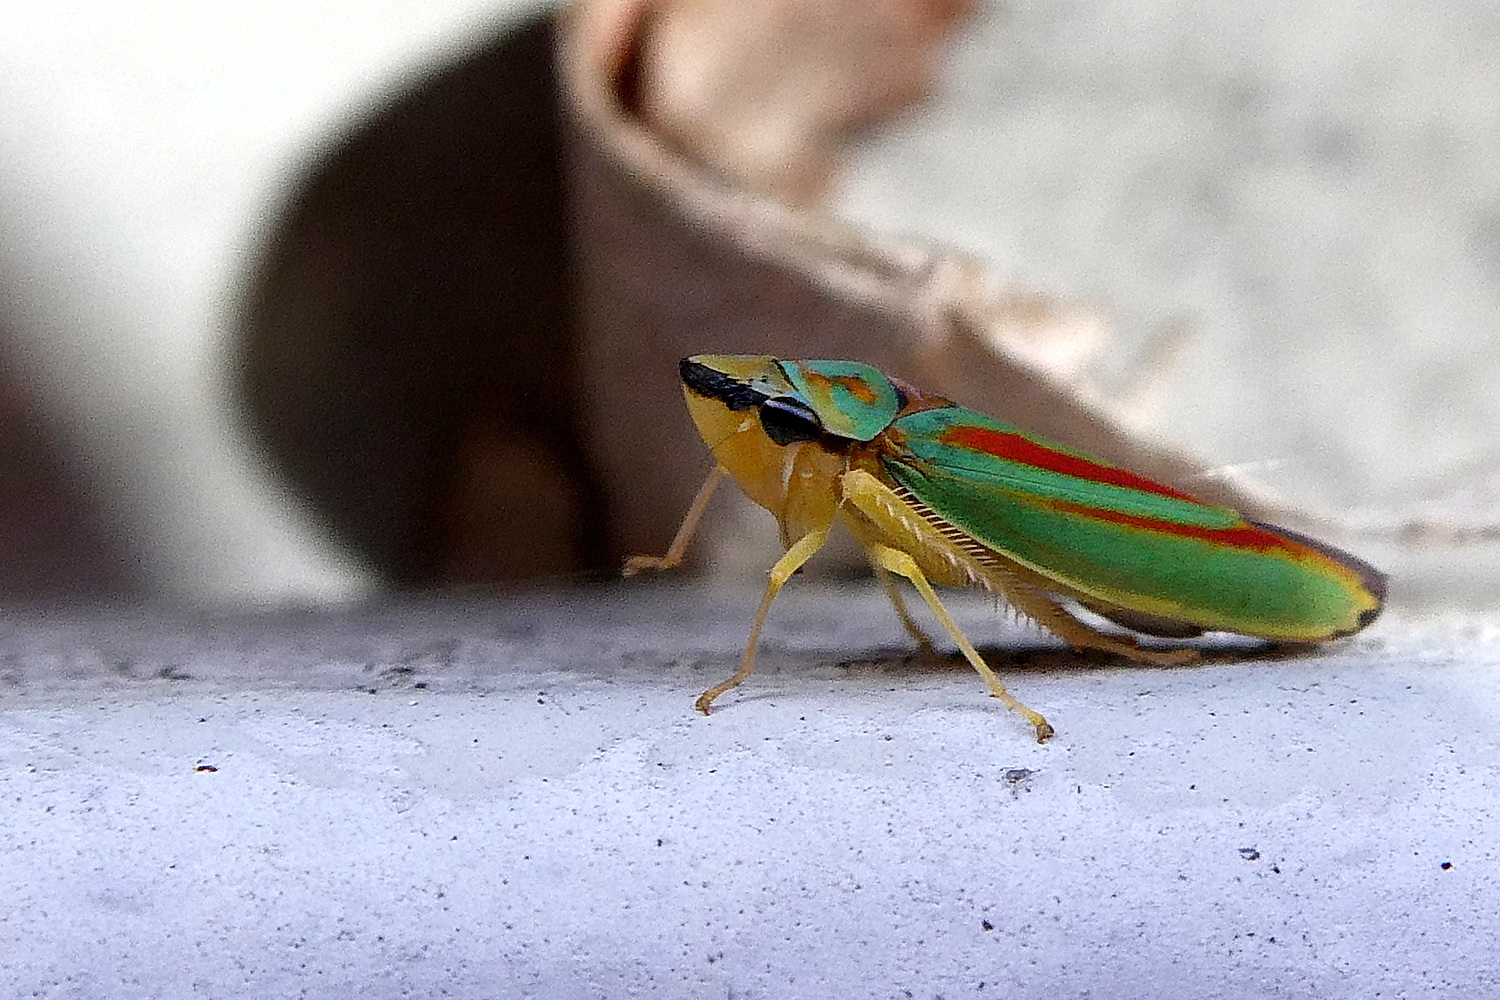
{"x": 937, "y": 493}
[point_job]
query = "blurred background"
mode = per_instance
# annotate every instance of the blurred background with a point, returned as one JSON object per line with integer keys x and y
{"x": 286, "y": 299}
{"x": 1304, "y": 197}
{"x": 158, "y": 161}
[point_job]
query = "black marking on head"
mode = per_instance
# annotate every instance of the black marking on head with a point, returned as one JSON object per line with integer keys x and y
{"x": 714, "y": 384}
{"x": 787, "y": 420}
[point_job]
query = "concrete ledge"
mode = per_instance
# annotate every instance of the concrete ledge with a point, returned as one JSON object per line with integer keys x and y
{"x": 476, "y": 796}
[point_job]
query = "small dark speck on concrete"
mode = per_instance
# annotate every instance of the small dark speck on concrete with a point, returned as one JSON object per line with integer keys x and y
{"x": 205, "y": 769}
{"x": 1249, "y": 854}
{"x": 1446, "y": 866}
{"x": 986, "y": 925}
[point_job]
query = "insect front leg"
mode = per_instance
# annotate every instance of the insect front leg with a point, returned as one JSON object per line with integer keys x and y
{"x": 781, "y": 572}
{"x": 902, "y": 564}
{"x": 685, "y": 531}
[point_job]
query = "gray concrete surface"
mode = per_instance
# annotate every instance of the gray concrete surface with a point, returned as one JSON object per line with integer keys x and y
{"x": 470, "y": 796}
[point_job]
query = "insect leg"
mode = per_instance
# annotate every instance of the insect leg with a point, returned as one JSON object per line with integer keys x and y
{"x": 899, "y": 603}
{"x": 899, "y": 562}
{"x": 689, "y": 525}
{"x": 781, "y": 572}
{"x": 1052, "y": 616}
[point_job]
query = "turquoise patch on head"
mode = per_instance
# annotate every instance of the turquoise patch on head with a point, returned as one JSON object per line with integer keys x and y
{"x": 853, "y": 400}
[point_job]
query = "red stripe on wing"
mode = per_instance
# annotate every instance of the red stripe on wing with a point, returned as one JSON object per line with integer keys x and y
{"x": 1243, "y": 536}
{"x": 1019, "y": 448}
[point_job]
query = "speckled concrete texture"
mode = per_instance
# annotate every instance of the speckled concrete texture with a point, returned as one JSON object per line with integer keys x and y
{"x": 474, "y": 796}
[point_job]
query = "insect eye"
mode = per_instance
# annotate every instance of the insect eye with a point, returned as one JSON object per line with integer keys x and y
{"x": 787, "y": 420}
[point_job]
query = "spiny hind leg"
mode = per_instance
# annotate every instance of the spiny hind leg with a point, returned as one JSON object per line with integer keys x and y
{"x": 902, "y": 564}
{"x": 1044, "y": 609}
{"x": 902, "y": 612}
{"x": 781, "y": 572}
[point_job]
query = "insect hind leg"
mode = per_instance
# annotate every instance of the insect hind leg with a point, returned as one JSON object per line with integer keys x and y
{"x": 1047, "y": 612}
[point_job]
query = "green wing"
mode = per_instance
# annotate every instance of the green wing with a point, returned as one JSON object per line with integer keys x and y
{"x": 1104, "y": 532}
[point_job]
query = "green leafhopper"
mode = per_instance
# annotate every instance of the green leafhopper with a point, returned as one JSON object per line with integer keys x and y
{"x": 938, "y": 493}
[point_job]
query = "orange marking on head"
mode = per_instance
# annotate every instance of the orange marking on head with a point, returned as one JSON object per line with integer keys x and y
{"x": 852, "y": 384}
{"x": 858, "y": 388}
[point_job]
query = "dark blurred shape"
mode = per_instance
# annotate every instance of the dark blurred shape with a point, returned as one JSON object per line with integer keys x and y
{"x": 409, "y": 342}
{"x": 54, "y": 541}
